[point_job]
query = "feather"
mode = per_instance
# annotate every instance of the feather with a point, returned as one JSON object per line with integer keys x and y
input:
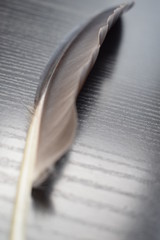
{"x": 54, "y": 121}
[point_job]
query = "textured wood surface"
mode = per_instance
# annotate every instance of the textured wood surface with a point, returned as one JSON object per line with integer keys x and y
{"x": 108, "y": 185}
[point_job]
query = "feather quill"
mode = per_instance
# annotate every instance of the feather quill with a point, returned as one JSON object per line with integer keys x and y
{"x": 54, "y": 121}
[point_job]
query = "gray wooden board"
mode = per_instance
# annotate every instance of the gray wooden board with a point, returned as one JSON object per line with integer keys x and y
{"x": 108, "y": 185}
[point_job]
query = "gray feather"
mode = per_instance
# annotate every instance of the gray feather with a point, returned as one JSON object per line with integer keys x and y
{"x": 62, "y": 80}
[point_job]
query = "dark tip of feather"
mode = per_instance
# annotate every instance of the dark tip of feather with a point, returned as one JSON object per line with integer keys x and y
{"x": 42, "y": 194}
{"x": 41, "y": 201}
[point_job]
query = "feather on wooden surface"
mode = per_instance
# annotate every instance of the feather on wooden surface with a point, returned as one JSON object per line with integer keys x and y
{"x": 53, "y": 125}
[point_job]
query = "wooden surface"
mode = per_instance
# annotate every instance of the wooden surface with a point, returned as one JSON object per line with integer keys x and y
{"x": 108, "y": 185}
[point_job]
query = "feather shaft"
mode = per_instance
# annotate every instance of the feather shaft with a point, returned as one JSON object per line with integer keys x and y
{"x": 25, "y": 179}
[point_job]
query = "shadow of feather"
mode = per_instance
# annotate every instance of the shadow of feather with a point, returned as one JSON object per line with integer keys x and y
{"x": 41, "y": 195}
{"x": 92, "y": 87}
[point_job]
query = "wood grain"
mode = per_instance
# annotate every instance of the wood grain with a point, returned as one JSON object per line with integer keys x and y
{"x": 108, "y": 185}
